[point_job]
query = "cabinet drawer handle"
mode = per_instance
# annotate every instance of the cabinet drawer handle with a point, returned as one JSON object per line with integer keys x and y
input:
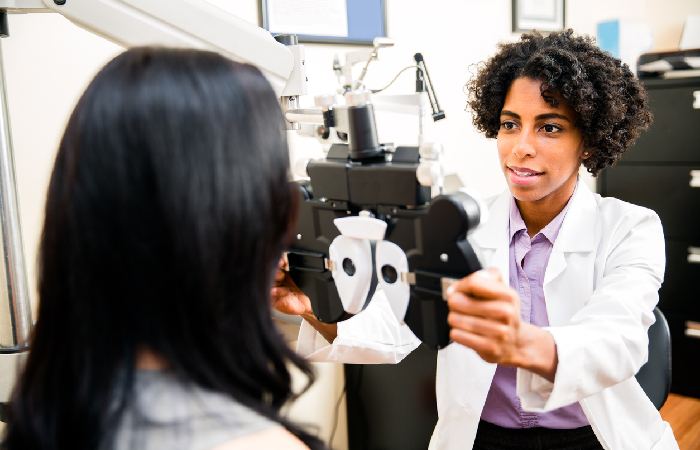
{"x": 692, "y": 329}
{"x": 695, "y": 178}
{"x": 696, "y": 101}
{"x": 694, "y": 255}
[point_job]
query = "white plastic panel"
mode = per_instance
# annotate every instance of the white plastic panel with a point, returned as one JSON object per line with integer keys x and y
{"x": 399, "y": 292}
{"x": 296, "y": 85}
{"x": 361, "y": 227}
{"x": 352, "y": 288}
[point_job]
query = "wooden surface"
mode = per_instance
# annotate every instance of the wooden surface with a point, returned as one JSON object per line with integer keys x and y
{"x": 683, "y": 413}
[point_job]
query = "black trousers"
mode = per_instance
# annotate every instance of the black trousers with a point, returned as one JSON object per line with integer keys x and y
{"x": 493, "y": 437}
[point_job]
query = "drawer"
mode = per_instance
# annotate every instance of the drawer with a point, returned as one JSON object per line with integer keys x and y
{"x": 685, "y": 350}
{"x": 665, "y": 189}
{"x": 674, "y": 134}
{"x": 679, "y": 292}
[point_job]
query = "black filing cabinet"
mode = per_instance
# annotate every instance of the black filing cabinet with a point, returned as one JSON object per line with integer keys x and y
{"x": 662, "y": 172}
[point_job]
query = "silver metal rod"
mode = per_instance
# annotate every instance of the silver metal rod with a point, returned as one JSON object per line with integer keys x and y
{"x": 288, "y": 102}
{"x": 17, "y": 305}
{"x": 421, "y": 117}
{"x": 304, "y": 116}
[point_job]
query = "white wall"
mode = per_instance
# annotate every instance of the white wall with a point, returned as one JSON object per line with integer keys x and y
{"x": 48, "y": 62}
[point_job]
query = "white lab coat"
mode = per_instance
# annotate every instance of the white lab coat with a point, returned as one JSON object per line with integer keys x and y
{"x": 600, "y": 286}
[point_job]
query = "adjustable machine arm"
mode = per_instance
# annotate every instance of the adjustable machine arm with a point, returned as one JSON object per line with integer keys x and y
{"x": 177, "y": 23}
{"x": 422, "y": 86}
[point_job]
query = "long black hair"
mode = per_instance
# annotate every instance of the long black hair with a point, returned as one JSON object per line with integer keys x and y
{"x": 167, "y": 212}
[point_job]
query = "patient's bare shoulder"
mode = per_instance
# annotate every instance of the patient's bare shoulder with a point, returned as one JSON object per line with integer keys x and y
{"x": 277, "y": 437}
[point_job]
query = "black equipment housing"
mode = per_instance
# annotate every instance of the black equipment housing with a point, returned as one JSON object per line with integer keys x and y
{"x": 432, "y": 233}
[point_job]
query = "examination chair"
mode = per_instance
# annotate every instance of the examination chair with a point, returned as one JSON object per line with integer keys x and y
{"x": 655, "y": 375}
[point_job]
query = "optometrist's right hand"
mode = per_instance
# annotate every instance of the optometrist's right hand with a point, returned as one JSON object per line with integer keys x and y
{"x": 287, "y": 298}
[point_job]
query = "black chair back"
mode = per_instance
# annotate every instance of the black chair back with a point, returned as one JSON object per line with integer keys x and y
{"x": 655, "y": 375}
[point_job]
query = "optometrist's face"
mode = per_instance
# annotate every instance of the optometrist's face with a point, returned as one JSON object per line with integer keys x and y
{"x": 539, "y": 147}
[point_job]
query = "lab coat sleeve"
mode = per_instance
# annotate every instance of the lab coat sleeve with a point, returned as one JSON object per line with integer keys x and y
{"x": 606, "y": 341}
{"x": 373, "y": 336}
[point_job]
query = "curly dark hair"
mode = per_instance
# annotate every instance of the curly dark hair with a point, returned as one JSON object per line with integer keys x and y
{"x": 610, "y": 100}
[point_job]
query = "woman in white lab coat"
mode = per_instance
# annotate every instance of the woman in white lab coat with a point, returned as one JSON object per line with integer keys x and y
{"x": 564, "y": 309}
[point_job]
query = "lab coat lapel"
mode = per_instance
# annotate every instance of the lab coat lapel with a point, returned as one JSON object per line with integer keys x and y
{"x": 491, "y": 238}
{"x": 576, "y": 237}
{"x": 556, "y": 264}
{"x": 490, "y": 241}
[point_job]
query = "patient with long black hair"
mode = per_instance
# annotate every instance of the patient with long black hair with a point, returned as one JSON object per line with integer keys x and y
{"x": 169, "y": 192}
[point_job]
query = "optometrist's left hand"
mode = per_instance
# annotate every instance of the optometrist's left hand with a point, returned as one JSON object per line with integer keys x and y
{"x": 485, "y": 316}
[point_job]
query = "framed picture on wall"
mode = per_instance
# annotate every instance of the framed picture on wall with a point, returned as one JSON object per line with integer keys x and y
{"x": 351, "y": 22}
{"x": 540, "y": 15}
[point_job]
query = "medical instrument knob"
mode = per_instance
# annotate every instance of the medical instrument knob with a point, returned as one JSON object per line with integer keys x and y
{"x": 429, "y": 173}
{"x": 357, "y": 97}
{"x": 287, "y": 39}
{"x": 431, "y": 150}
{"x": 325, "y": 101}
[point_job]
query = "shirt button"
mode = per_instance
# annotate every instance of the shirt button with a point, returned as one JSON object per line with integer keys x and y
{"x": 531, "y": 423}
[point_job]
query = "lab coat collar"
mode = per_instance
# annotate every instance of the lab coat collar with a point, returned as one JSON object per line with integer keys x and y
{"x": 494, "y": 232}
{"x": 575, "y": 234}
{"x": 491, "y": 238}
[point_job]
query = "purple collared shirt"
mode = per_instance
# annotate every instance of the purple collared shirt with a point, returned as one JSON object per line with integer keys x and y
{"x": 528, "y": 262}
